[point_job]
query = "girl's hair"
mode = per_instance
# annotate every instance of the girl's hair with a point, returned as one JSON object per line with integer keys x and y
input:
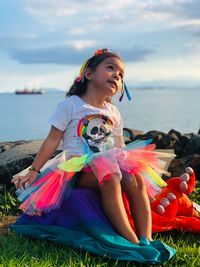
{"x": 80, "y": 87}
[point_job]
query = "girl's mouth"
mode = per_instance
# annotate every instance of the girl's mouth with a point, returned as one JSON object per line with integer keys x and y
{"x": 114, "y": 83}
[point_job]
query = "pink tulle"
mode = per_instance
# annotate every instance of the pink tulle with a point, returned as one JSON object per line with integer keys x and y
{"x": 49, "y": 195}
{"x": 105, "y": 165}
{"x": 137, "y": 159}
{"x": 111, "y": 162}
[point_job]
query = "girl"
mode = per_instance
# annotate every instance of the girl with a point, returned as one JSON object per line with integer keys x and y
{"x": 91, "y": 130}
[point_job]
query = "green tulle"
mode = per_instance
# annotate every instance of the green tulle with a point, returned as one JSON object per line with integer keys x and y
{"x": 74, "y": 164}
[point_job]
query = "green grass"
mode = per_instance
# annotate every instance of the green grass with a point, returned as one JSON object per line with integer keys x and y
{"x": 22, "y": 251}
{"x": 16, "y": 250}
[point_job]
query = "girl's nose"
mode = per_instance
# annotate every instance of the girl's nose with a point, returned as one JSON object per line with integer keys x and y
{"x": 116, "y": 76}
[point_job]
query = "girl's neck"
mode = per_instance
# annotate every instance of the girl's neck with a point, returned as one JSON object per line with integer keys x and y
{"x": 93, "y": 99}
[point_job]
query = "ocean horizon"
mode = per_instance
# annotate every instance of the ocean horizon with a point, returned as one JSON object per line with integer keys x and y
{"x": 25, "y": 117}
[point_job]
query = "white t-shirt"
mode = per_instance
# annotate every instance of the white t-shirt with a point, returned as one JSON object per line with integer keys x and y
{"x": 85, "y": 126}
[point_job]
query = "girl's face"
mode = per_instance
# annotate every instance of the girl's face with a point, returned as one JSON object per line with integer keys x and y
{"x": 108, "y": 76}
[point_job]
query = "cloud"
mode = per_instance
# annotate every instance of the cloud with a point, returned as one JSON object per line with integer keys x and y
{"x": 179, "y": 67}
{"x": 71, "y": 54}
{"x": 89, "y": 12}
{"x": 114, "y": 12}
{"x": 178, "y": 8}
{"x": 182, "y": 15}
{"x": 49, "y": 55}
{"x": 189, "y": 9}
{"x": 14, "y": 39}
{"x": 189, "y": 28}
{"x": 107, "y": 17}
{"x": 136, "y": 54}
{"x": 81, "y": 44}
{"x": 52, "y": 10}
{"x": 40, "y": 9}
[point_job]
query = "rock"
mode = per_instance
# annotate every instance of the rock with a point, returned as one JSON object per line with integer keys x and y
{"x": 159, "y": 138}
{"x": 193, "y": 145}
{"x": 177, "y": 167}
{"x": 7, "y": 145}
{"x": 179, "y": 141}
{"x": 130, "y": 134}
{"x": 18, "y": 157}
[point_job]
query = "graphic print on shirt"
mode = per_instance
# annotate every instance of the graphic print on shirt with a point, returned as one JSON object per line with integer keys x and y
{"x": 97, "y": 131}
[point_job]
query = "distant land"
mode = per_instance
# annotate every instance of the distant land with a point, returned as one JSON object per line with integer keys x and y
{"x": 168, "y": 84}
{"x": 139, "y": 87}
{"x": 51, "y": 90}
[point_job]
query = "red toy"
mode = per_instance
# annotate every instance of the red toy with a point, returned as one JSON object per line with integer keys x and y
{"x": 172, "y": 209}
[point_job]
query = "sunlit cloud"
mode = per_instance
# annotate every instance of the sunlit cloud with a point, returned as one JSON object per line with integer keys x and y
{"x": 173, "y": 69}
{"x": 81, "y": 44}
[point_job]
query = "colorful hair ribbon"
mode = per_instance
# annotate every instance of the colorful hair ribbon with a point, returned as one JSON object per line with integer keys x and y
{"x": 80, "y": 78}
{"x": 124, "y": 89}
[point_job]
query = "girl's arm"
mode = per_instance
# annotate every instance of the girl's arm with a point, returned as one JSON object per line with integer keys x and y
{"x": 47, "y": 149}
{"x": 119, "y": 141}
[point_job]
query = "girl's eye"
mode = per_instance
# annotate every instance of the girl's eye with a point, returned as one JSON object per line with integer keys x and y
{"x": 110, "y": 67}
{"x": 121, "y": 75}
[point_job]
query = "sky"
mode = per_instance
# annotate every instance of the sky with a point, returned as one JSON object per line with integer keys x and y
{"x": 43, "y": 43}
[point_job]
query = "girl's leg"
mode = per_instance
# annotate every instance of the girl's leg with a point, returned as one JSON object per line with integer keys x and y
{"x": 112, "y": 202}
{"x": 135, "y": 189}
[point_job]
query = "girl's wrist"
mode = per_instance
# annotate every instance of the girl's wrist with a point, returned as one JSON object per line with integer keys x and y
{"x": 32, "y": 168}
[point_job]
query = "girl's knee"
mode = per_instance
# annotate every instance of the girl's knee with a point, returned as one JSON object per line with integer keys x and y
{"x": 133, "y": 184}
{"x": 111, "y": 184}
{"x": 129, "y": 186}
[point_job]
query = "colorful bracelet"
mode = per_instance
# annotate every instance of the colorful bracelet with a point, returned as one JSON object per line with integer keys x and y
{"x": 34, "y": 169}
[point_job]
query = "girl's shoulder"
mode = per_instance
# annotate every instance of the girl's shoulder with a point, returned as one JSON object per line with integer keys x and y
{"x": 68, "y": 101}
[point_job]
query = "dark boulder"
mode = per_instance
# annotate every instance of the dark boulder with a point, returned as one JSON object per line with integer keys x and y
{"x": 130, "y": 134}
{"x": 18, "y": 157}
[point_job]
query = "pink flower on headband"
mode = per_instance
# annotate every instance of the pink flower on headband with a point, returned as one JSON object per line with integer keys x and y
{"x": 101, "y": 51}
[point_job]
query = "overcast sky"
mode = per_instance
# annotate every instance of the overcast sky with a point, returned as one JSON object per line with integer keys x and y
{"x": 44, "y": 42}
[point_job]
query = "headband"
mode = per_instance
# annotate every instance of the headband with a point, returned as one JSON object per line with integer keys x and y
{"x": 80, "y": 78}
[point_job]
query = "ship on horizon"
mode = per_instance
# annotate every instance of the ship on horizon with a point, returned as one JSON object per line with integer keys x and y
{"x": 27, "y": 91}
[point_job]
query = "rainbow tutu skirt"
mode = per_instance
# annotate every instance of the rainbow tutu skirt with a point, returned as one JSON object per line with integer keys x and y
{"x": 56, "y": 210}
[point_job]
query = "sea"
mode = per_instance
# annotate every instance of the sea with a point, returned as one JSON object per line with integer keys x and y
{"x": 25, "y": 117}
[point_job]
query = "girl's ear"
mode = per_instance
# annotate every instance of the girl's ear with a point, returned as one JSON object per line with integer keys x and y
{"x": 88, "y": 74}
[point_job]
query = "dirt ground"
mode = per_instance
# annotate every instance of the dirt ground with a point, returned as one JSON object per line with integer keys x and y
{"x": 5, "y": 222}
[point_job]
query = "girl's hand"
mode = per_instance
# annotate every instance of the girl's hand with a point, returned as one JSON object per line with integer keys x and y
{"x": 47, "y": 149}
{"x": 20, "y": 181}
